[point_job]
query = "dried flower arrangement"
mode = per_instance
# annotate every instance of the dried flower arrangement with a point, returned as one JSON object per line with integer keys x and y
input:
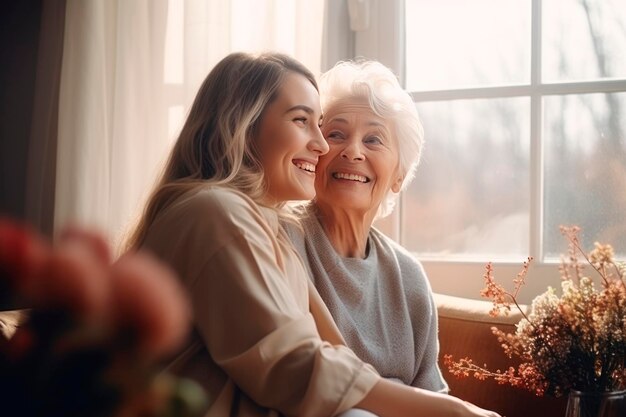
{"x": 575, "y": 341}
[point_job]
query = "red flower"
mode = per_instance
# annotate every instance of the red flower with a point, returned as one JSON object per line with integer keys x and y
{"x": 95, "y": 332}
{"x": 22, "y": 255}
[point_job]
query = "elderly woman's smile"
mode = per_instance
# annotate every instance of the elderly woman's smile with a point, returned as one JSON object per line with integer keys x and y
{"x": 350, "y": 177}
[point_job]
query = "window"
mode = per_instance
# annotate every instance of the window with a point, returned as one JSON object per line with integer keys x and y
{"x": 524, "y": 107}
{"x": 200, "y": 33}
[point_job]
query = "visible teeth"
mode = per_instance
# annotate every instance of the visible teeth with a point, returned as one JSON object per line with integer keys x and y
{"x": 351, "y": 177}
{"x": 306, "y": 166}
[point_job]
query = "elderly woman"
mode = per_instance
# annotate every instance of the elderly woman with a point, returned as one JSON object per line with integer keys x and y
{"x": 376, "y": 291}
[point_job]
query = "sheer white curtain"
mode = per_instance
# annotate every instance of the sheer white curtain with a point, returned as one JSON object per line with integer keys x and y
{"x": 130, "y": 71}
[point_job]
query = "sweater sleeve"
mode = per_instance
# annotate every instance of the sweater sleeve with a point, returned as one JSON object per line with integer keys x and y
{"x": 429, "y": 375}
{"x": 254, "y": 317}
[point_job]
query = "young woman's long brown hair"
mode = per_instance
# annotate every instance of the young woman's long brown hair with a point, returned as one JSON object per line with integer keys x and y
{"x": 216, "y": 143}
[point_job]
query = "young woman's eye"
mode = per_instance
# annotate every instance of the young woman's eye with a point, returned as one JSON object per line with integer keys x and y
{"x": 300, "y": 121}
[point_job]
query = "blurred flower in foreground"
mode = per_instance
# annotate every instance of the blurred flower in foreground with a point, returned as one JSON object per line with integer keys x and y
{"x": 94, "y": 332}
{"x": 573, "y": 342}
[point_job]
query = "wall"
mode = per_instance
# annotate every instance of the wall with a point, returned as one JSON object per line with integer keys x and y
{"x": 19, "y": 38}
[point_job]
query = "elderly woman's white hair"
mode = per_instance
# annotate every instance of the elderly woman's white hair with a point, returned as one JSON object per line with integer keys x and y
{"x": 374, "y": 83}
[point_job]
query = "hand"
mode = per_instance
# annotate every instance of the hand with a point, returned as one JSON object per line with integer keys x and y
{"x": 391, "y": 399}
{"x": 475, "y": 411}
{"x": 447, "y": 405}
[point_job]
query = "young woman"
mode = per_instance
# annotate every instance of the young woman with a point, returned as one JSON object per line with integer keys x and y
{"x": 264, "y": 344}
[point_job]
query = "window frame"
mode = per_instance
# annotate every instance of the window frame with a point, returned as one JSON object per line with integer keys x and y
{"x": 463, "y": 278}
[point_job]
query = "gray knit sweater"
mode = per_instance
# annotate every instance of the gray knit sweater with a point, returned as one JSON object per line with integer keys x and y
{"x": 382, "y": 304}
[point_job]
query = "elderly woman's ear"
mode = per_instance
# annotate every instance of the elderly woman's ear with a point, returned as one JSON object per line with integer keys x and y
{"x": 397, "y": 185}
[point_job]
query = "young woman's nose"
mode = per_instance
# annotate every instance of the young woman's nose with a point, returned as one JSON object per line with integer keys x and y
{"x": 318, "y": 142}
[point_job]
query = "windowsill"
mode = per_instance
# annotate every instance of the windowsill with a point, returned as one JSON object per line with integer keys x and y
{"x": 465, "y": 279}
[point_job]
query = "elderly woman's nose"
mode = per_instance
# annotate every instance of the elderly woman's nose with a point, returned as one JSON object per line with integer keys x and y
{"x": 352, "y": 151}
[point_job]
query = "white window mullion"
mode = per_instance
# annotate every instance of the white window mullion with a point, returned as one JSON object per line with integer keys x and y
{"x": 584, "y": 87}
{"x": 536, "y": 131}
{"x": 382, "y": 35}
{"x": 536, "y": 177}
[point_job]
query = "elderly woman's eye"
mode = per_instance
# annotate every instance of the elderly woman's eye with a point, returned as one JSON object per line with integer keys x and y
{"x": 374, "y": 140}
{"x": 334, "y": 135}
